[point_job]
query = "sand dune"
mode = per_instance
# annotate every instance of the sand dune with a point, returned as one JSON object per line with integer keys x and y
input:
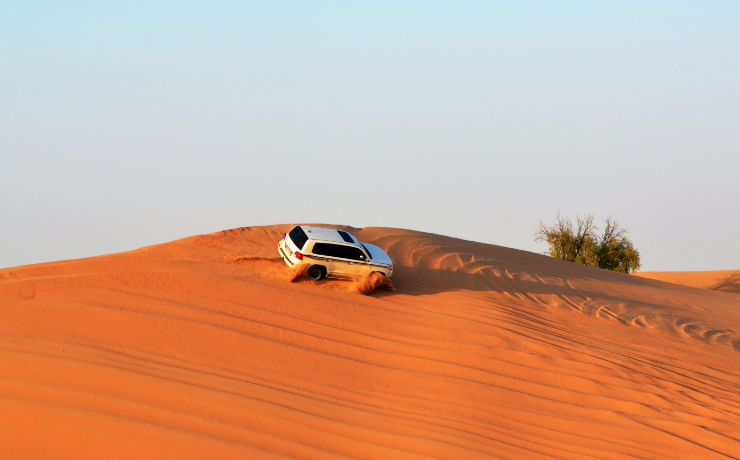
{"x": 203, "y": 348}
{"x": 719, "y": 280}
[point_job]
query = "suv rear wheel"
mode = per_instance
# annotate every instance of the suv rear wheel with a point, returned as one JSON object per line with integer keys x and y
{"x": 316, "y": 272}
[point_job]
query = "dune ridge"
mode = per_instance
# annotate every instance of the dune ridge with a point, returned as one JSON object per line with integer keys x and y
{"x": 202, "y": 347}
{"x": 718, "y": 280}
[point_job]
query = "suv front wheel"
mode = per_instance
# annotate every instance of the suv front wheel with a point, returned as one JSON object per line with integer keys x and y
{"x": 316, "y": 272}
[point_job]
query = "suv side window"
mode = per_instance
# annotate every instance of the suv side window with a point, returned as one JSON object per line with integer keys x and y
{"x": 336, "y": 250}
{"x": 353, "y": 253}
{"x": 325, "y": 249}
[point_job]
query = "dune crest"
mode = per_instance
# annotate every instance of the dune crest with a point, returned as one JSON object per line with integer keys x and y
{"x": 718, "y": 280}
{"x": 203, "y": 348}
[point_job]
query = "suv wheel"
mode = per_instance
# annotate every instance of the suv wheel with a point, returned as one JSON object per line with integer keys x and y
{"x": 316, "y": 272}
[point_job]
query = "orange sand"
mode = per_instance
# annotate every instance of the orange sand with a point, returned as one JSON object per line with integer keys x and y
{"x": 720, "y": 280}
{"x": 202, "y": 348}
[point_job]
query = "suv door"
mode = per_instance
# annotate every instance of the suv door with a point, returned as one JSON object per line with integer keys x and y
{"x": 356, "y": 260}
{"x": 327, "y": 254}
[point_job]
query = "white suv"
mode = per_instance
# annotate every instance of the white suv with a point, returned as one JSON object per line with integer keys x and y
{"x": 332, "y": 252}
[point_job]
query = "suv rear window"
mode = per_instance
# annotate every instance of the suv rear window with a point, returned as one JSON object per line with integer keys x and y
{"x": 338, "y": 250}
{"x": 298, "y": 236}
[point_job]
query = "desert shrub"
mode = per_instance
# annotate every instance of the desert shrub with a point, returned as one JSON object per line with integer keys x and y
{"x": 581, "y": 243}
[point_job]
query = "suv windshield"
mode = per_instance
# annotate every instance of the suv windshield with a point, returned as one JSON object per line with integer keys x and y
{"x": 298, "y": 236}
{"x": 345, "y": 236}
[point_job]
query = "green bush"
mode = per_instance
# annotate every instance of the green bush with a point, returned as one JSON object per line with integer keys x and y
{"x": 580, "y": 243}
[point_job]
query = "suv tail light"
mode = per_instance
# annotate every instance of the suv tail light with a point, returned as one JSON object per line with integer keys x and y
{"x": 285, "y": 235}
{"x": 298, "y": 255}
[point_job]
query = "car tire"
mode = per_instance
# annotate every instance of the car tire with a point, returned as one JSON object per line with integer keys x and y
{"x": 316, "y": 272}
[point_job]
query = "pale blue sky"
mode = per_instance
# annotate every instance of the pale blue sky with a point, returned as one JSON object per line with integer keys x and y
{"x": 123, "y": 125}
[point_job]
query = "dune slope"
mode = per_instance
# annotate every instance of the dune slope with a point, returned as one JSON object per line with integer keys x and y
{"x": 202, "y": 348}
